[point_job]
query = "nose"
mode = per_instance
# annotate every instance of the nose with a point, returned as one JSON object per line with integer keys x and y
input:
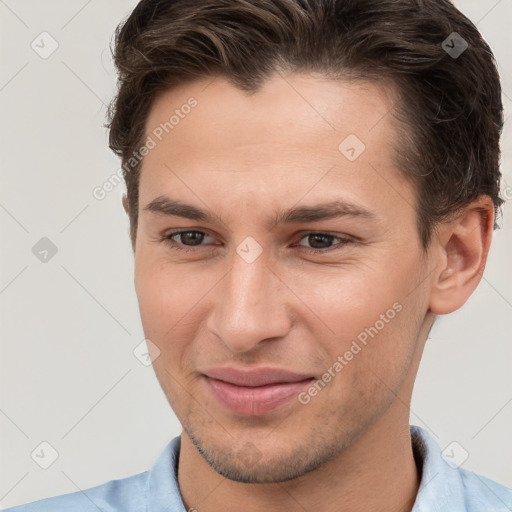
{"x": 250, "y": 305}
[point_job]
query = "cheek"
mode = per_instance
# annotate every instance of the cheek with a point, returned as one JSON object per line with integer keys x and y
{"x": 171, "y": 309}
{"x": 162, "y": 294}
{"x": 347, "y": 300}
{"x": 370, "y": 363}
{"x": 370, "y": 317}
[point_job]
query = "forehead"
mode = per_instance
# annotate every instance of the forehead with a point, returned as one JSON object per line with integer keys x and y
{"x": 288, "y": 109}
{"x": 297, "y": 130}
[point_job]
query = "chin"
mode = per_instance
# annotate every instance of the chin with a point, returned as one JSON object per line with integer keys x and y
{"x": 272, "y": 463}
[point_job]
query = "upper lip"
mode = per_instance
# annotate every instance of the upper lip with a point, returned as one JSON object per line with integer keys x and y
{"x": 252, "y": 377}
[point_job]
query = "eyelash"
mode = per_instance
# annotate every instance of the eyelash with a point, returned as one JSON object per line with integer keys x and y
{"x": 175, "y": 245}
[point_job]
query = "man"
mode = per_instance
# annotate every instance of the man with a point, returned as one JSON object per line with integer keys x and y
{"x": 309, "y": 184}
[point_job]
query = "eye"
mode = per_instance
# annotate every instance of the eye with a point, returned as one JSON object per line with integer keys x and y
{"x": 192, "y": 238}
{"x": 319, "y": 241}
{"x": 189, "y": 239}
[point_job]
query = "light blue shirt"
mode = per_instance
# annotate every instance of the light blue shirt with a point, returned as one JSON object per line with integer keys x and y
{"x": 444, "y": 487}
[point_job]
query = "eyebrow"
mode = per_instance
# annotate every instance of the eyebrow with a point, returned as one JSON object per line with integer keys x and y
{"x": 334, "y": 209}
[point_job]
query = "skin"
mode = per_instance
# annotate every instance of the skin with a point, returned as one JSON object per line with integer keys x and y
{"x": 246, "y": 158}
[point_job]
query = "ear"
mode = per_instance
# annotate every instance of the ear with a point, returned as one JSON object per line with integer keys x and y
{"x": 461, "y": 249}
{"x": 125, "y": 204}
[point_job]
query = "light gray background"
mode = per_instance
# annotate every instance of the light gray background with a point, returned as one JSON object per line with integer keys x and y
{"x": 69, "y": 326}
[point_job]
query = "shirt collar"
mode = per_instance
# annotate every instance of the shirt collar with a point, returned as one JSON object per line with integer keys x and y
{"x": 162, "y": 485}
{"x": 441, "y": 487}
{"x": 447, "y": 486}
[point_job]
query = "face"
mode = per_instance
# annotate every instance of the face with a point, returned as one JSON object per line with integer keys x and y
{"x": 267, "y": 278}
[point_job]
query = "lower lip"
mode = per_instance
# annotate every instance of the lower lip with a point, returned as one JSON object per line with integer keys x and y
{"x": 254, "y": 401}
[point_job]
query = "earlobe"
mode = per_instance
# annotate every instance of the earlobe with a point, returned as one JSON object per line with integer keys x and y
{"x": 125, "y": 204}
{"x": 462, "y": 247}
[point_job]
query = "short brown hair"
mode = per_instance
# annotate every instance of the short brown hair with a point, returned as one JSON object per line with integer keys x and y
{"x": 449, "y": 105}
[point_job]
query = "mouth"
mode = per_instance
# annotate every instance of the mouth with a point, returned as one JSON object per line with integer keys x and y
{"x": 254, "y": 392}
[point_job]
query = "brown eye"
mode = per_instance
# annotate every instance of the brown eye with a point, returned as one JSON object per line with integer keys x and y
{"x": 188, "y": 238}
{"x": 191, "y": 237}
{"x": 322, "y": 242}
